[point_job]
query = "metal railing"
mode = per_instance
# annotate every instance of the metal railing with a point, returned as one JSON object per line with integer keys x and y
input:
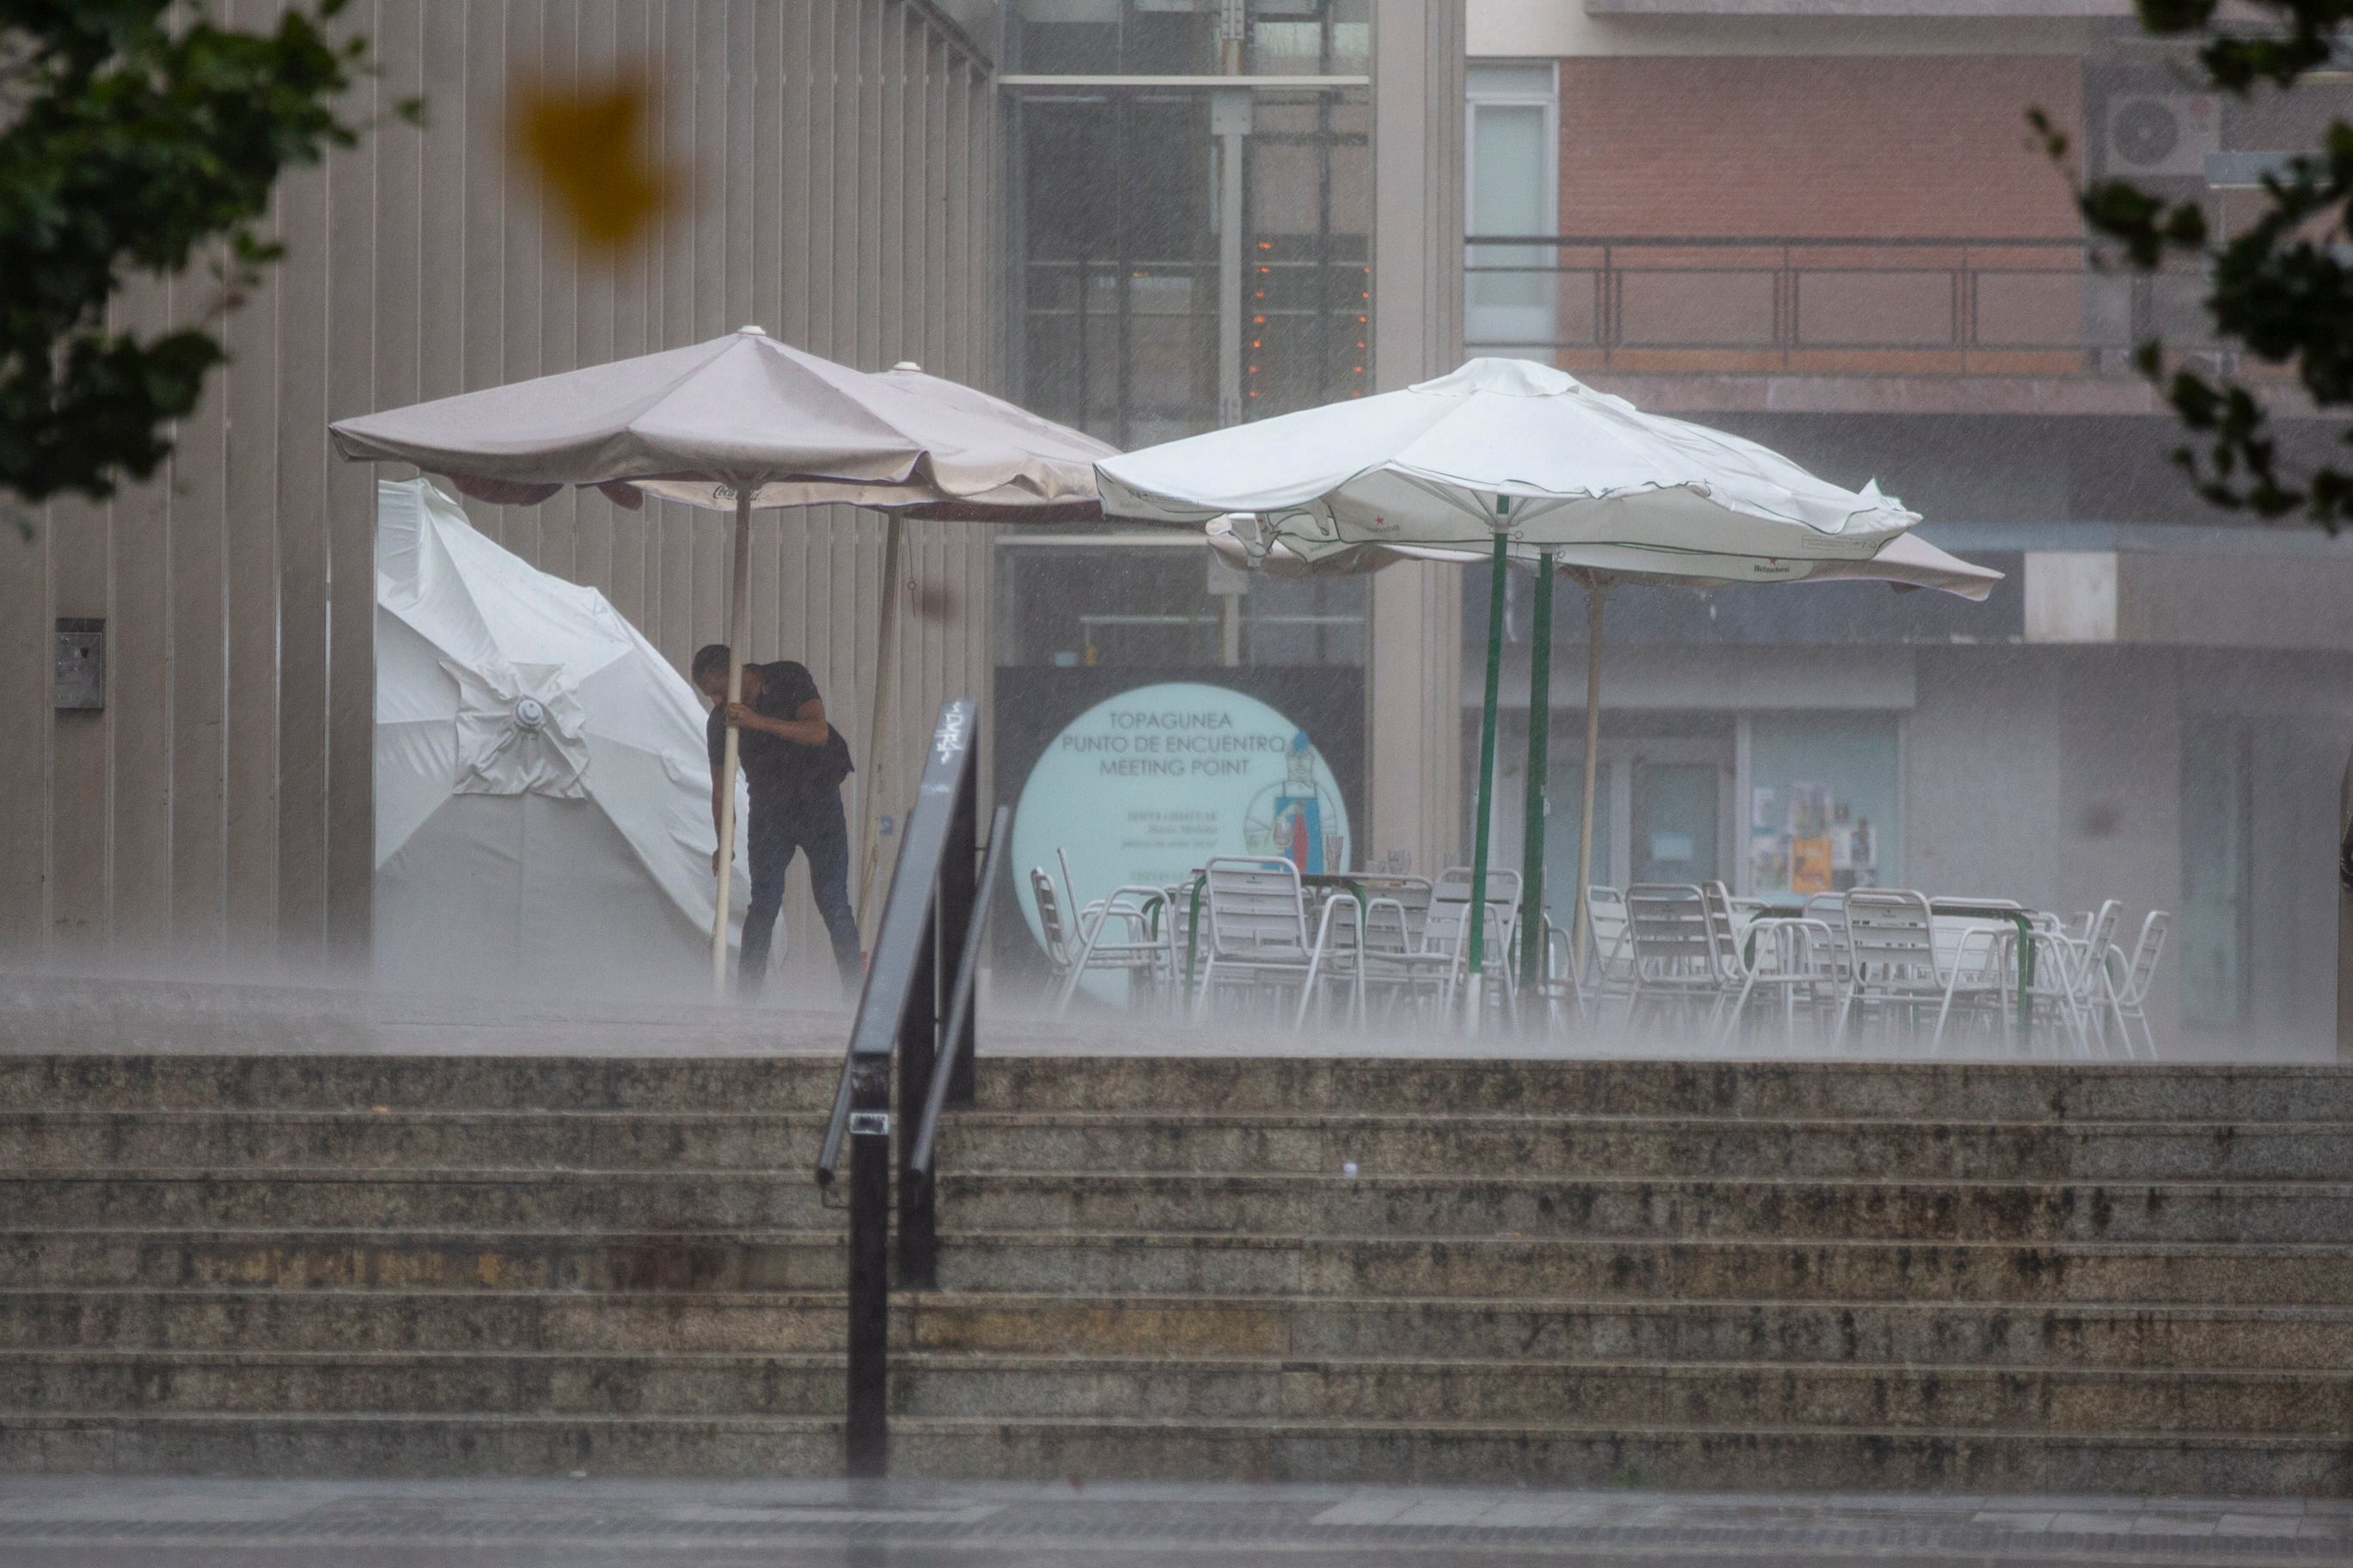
{"x": 934, "y": 919}
{"x": 1727, "y": 302}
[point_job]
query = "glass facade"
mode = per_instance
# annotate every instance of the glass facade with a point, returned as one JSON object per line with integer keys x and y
{"x": 1129, "y": 276}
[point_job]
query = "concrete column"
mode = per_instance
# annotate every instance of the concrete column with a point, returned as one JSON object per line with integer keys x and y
{"x": 1414, "y": 699}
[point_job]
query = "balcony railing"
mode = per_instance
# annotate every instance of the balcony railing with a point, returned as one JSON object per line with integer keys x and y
{"x": 1720, "y": 305}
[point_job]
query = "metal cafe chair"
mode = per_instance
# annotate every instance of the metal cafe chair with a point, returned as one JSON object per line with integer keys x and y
{"x": 1678, "y": 973}
{"x": 1254, "y": 915}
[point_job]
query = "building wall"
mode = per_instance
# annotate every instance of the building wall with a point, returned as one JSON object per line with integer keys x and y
{"x": 1909, "y": 146}
{"x": 842, "y": 158}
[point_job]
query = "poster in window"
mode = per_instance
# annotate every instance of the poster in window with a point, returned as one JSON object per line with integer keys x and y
{"x": 1810, "y": 865}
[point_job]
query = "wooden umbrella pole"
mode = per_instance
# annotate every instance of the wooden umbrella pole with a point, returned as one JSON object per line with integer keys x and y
{"x": 885, "y": 665}
{"x": 739, "y": 605}
{"x": 1594, "y": 593}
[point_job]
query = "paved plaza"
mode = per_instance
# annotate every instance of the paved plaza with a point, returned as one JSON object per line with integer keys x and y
{"x": 585, "y": 1522}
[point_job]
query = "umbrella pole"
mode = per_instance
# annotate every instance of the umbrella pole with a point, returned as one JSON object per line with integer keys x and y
{"x": 1593, "y": 597}
{"x": 1476, "y": 976}
{"x": 885, "y": 645}
{"x": 739, "y": 602}
{"x": 1532, "y": 856}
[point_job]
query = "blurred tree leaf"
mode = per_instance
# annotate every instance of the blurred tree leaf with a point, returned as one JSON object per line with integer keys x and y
{"x": 134, "y": 138}
{"x": 582, "y": 141}
{"x": 2282, "y": 288}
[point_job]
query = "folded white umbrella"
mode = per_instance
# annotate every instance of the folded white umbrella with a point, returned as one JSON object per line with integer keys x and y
{"x": 743, "y": 422}
{"x": 1504, "y": 456}
{"x": 542, "y": 789}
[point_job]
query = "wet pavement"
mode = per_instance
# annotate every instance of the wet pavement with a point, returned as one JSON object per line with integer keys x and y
{"x": 589, "y": 1522}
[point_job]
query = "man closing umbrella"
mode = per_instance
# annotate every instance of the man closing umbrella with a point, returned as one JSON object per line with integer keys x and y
{"x": 795, "y": 761}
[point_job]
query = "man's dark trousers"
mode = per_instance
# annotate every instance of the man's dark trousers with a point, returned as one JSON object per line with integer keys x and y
{"x": 816, "y": 827}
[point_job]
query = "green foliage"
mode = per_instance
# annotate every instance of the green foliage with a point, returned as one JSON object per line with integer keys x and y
{"x": 2282, "y": 288}
{"x": 130, "y": 144}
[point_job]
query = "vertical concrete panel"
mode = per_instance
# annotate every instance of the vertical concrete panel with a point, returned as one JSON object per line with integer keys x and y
{"x": 139, "y": 704}
{"x": 482, "y": 309}
{"x": 254, "y": 390}
{"x": 818, "y": 154}
{"x": 869, "y": 197}
{"x": 355, "y": 313}
{"x": 397, "y": 151}
{"x": 888, "y": 193}
{"x": 840, "y": 233}
{"x": 521, "y": 275}
{"x": 625, "y": 580}
{"x": 678, "y": 635}
{"x": 26, "y": 717}
{"x": 199, "y": 673}
{"x": 443, "y": 203}
{"x": 559, "y": 303}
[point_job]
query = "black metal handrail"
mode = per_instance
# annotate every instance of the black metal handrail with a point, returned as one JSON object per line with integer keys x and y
{"x": 928, "y": 929}
{"x": 959, "y": 1039}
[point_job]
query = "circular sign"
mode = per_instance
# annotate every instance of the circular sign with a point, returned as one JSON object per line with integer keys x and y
{"x": 1141, "y": 789}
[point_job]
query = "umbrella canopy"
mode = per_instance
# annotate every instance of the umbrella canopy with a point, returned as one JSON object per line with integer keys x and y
{"x": 744, "y": 412}
{"x": 1510, "y": 446}
{"x": 541, "y": 784}
{"x": 744, "y": 422}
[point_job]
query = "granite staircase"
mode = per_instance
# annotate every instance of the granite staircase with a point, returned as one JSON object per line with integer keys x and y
{"x": 1727, "y": 1274}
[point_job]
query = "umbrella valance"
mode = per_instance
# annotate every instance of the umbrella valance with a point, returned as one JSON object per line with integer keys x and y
{"x": 1903, "y": 562}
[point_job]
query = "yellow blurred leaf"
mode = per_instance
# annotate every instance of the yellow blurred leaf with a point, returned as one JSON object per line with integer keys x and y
{"x": 581, "y": 141}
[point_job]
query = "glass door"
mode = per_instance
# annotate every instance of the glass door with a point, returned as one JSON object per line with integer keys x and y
{"x": 1678, "y": 808}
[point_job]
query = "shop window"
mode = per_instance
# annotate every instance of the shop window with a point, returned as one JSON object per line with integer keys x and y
{"x": 1824, "y": 808}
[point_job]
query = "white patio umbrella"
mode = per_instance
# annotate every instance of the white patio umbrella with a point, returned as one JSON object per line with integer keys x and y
{"x": 744, "y": 422}
{"x": 1504, "y": 454}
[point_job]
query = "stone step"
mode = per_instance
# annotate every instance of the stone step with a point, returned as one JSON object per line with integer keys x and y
{"x": 171, "y": 1080}
{"x": 1635, "y": 1397}
{"x": 1255, "y": 1205}
{"x": 1174, "y": 1141}
{"x": 2037, "y": 1092}
{"x": 2079, "y": 1337}
{"x": 355, "y": 1197}
{"x": 1905, "y": 1090}
{"x": 1484, "y": 1454}
{"x": 683, "y": 1261}
{"x": 1165, "y": 1263}
{"x": 1482, "y": 1206}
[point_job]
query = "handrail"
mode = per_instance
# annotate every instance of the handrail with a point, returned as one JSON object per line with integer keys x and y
{"x": 891, "y": 972}
{"x": 929, "y": 927}
{"x": 1000, "y": 845}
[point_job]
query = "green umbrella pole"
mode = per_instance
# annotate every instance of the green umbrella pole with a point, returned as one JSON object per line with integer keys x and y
{"x": 1477, "y": 975}
{"x": 1531, "y": 904}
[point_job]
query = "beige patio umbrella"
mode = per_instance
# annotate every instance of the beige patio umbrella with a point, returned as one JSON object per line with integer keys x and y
{"x": 743, "y": 422}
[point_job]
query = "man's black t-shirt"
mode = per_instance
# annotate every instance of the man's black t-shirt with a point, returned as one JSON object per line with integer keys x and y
{"x": 781, "y": 773}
